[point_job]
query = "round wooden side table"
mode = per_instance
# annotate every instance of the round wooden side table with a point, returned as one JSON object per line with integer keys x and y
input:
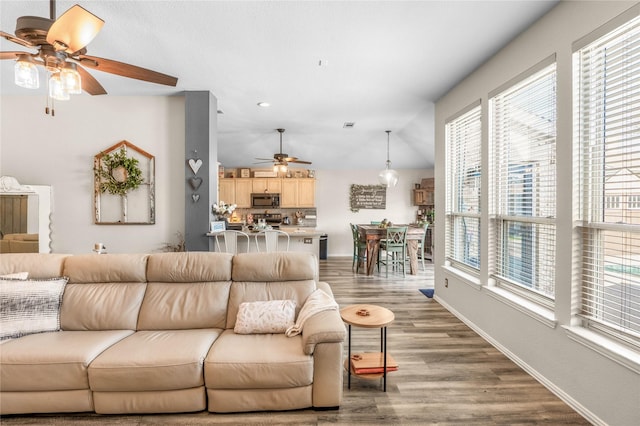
{"x": 368, "y": 316}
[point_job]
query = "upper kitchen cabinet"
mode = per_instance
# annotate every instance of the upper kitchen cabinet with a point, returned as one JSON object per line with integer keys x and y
{"x": 267, "y": 185}
{"x": 235, "y": 191}
{"x": 424, "y": 196}
{"x": 227, "y": 190}
{"x": 298, "y": 193}
{"x": 244, "y": 188}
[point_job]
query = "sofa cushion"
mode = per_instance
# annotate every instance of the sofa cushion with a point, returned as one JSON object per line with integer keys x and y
{"x": 174, "y": 306}
{"x": 30, "y": 306}
{"x": 269, "y": 267}
{"x": 273, "y": 316}
{"x": 189, "y": 267}
{"x": 106, "y": 268}
{"x": 53, "y": 361}
{"x": 104, "y": 292}
{"x": 39, "y": 265}
{"x": 257, "y": 361}
{"x": 153, "y": 361}
{"x": 241, "y": 292}
{"x": 107, "y": 306}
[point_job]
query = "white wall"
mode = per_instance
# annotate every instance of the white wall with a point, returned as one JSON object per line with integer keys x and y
{"x": 58, "y": 151}
{"x": 332, "y": 200}
{"x": 38, "y": 149}
{"x": 604, "y": 391}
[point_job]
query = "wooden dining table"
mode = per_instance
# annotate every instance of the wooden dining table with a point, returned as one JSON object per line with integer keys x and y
{"x": 372, "y": 234}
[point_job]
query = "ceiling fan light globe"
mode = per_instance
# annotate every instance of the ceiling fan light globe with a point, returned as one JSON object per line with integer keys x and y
{"x": 26, "y": 73}
{"x": 56, "y": 88}
{"x": 71, "y": 80}
{"x": 388, "y": 177}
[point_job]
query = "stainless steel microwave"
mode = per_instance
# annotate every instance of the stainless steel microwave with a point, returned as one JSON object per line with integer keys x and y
{"x": 269, "y": 201}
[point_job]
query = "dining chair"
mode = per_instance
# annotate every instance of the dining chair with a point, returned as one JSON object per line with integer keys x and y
{"x": 421, "y": 244}
{"x": 227, "y": 241}
{"x": 359, "y": 248}
{"x": 272, "y": 240}
{"x": 395, "y": 249}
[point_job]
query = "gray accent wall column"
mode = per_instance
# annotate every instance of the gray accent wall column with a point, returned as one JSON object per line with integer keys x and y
{"x": 201, "y": 142}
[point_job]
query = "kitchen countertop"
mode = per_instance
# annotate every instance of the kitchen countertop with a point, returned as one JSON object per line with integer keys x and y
{"x": 293, "y": 231}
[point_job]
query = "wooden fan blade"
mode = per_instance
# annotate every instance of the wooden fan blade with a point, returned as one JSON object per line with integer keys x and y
{"x": 15, "y": 39}
{"x": 300, "y": 162}
{"x": 264, "y": 159}
{"x": 126, "y": 70}
{"x": 12, "y": 55}
{"x": 74, "y": 29}
{"x": 90, "y": 84}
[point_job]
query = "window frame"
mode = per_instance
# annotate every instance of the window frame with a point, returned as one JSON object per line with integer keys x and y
{"x": 470, "y": 115}
{"x": 542, "y": 227}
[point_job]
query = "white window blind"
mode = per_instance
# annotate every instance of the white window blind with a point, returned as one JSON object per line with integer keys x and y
{"x": 463, "y": 136}
{"x": 608, "y": 130}
{"x": 523, "y": 185}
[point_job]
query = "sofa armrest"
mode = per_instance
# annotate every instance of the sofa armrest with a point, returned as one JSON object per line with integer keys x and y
{"x": 324, "y": 327}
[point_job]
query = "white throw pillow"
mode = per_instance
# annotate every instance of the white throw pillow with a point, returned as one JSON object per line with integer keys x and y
{"x": 273, "y": 316}
{"x": 30, "y": 306}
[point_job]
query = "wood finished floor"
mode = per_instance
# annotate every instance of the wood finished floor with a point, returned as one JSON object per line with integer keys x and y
{"x": 448, "y": 375}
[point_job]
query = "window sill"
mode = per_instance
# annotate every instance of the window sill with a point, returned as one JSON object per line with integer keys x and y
{"x": 540, "y": 313}
{"x": 465, "y": 277}
{"x": 605, "y": 346}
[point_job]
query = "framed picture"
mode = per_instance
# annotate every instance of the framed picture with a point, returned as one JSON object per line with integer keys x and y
{"x": 245, "y": 173}
{"x": 218, "y": 225}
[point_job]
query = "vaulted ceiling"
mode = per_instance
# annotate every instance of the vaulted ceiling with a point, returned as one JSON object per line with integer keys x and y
{"x": 378, "y": 64}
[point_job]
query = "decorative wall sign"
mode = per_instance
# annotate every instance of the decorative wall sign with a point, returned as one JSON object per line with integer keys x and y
{"x": 124, "y": 186}
{"x": 368, "y": 197}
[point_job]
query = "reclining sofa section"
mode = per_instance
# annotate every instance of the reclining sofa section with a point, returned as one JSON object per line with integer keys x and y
{"x": 154, "y": 333}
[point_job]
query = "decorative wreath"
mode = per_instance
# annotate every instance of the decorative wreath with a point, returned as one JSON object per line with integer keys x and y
{"x": 118, "y": 174}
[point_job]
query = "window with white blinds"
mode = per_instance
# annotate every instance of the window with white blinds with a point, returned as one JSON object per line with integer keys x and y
{"x": 523, "y": 184}
{"x": 608, "y": 131}
{"x": 463, "y": 137}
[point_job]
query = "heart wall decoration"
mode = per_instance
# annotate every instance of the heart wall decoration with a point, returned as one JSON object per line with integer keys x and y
{"x": 195, "y": 182}
{"x": 195, "y": 197}
{"x": 195, "y": 165}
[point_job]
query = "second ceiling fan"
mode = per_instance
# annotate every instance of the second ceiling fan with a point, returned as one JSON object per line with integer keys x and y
{"x": 281, "y": 160}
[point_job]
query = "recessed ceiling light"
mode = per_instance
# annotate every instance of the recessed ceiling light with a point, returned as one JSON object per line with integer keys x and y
{"x": 264, "y": 104}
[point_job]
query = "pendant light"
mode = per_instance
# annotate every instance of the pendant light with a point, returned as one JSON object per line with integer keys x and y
{"x": 388, "y": 176}
{"x": 26, "y": 72}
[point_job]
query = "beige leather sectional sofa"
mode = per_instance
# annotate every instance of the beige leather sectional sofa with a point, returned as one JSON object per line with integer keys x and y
{"x": 154, "y": 333}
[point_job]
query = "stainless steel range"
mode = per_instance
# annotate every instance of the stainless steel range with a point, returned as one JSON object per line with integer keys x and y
{"x": 272, "y": 219}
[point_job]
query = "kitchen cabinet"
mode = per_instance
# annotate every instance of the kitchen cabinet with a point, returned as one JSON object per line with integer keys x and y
{"x": 298, "y": 193}
{"x": 289, "y": 194}
{"x": 227, "y": 190}
{"x": 235, "y": 191}
{"x": 268, "y": 185}
{"x": 244, "y": 188}
{"x": 306, "y": 192}
{"x": 294, "y": 192}
{"x": 422, "y": 197}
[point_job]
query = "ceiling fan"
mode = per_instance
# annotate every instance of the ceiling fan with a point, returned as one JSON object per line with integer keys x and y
{"x": 60, "y": 46}
{"x": 281, "y": 160}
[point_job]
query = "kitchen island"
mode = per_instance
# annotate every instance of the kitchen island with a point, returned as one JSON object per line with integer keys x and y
{"x": 300, "y": 239}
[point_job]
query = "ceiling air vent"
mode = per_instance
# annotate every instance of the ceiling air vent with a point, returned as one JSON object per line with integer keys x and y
{"x": 348, "y": 125}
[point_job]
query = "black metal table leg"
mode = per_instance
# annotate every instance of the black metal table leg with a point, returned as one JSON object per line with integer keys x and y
{"x": 349, "y": 361}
